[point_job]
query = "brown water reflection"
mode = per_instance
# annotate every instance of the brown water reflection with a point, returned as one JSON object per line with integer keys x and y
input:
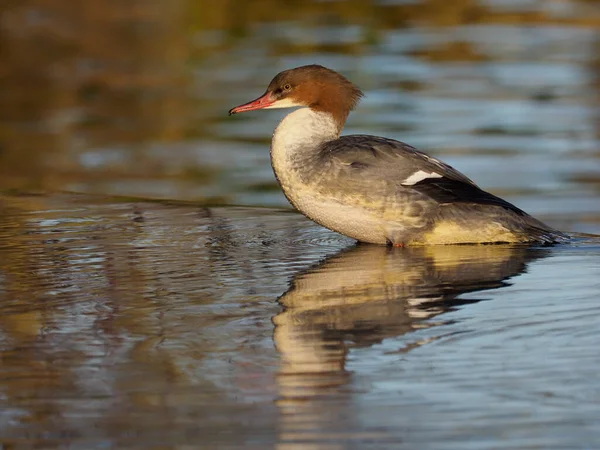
{"x": 131, "y": 99}
{"x": 87, "y": 76}
{"x": 126, "y": 323}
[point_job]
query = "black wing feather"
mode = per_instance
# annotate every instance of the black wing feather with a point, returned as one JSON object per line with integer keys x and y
{"x": 446, "y": 190}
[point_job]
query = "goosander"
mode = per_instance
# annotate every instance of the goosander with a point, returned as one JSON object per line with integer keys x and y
{"x": 374, "y": 189}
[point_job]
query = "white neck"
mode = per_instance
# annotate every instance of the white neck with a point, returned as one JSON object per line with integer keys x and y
{"x": 297, "y": 137}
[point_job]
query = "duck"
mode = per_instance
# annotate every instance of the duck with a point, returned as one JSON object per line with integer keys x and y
{"x": 375, "y": 189}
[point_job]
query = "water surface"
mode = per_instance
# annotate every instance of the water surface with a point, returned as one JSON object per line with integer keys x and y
{"x": 133, "y": 99}
{"x": 219, "y": 318}
{"x": 153, "y": 325}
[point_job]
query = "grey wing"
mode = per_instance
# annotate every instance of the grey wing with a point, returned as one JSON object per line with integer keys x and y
{"x": 375, "y": 158}
{"x": 377, "y": 152}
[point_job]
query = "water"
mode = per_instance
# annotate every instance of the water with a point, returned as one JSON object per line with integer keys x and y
{"x": 151, "y": 325}
{"x": 156, "y": 290}
{"x": 133, "y": 100}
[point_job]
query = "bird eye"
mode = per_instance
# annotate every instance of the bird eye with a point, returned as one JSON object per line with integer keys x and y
{"x": 287, "y": 87}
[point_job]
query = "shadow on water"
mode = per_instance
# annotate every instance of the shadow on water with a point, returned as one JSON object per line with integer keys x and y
{"x": 359, "y": 297}
{"x": 367, "y": 293}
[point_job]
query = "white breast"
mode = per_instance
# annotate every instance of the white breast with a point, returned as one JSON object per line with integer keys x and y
{"x": 297, "y": 139}
{"x": 298, "y": 135}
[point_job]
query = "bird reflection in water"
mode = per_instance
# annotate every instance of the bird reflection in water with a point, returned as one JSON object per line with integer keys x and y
{"x": 358, "y": 298}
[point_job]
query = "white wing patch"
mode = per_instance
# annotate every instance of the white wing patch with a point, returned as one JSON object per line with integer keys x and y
{"x": 419, "y": 175}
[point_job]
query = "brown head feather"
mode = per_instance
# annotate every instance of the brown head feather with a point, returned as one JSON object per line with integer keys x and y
{"x": 319, "y": 88}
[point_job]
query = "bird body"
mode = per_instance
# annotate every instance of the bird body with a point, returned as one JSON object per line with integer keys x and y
{"x": 375, "y": 189}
